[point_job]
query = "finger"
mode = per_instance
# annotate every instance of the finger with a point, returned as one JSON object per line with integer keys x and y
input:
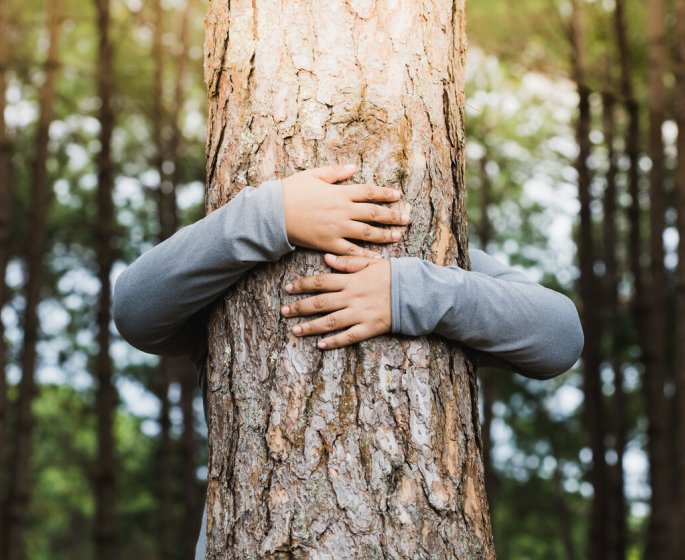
{"x": 347, "y": 263}
{"x": 365, "y": 212}
{"x": 344, "y": 247}
{"x": 331, "y": 322}
{"x": 372, "y": 234}
{"x": 334, "y": 173}
{"x": 316, "y": 283}
{"x": 356, "y": 333}
{"x": 320, "y": 303}
{"x": 373, "y": 193}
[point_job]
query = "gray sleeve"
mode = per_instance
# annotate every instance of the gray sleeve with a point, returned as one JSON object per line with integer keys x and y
{"x": 511, "y": 321}
{"x": 161, "y": 301}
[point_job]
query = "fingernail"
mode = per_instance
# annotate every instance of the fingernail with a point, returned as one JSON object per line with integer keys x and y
{"x": 405, "y": 217}
{"x": 288, "y": 287}
{"x": 395, "y": 192}
{"x": 285, "y": 309}
{"x": 332, "y": 257}
{"x": 396, "y": 235}
{"x": 350, "y": 167}
{"x": 321, "y": 344}
{"x": 378, "y": 257}
{"x": 297, "y": 329}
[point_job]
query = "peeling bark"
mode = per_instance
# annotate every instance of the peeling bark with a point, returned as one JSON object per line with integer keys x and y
{"x": 371, "y": 451}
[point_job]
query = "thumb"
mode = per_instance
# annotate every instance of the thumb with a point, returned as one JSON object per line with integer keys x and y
{"x": 334, "y": 173}
{"x": 348, "y": 263}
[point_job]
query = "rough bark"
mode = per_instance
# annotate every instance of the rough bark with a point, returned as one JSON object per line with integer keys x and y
{"x": 679, "y": 525}
{"x": 655, "y": 375}
{"x": 590, "y": 297}
{"x": 364, "y": 452}
{"x": 105, "y": 397}
{"x": 6, "y": 198}
{"x": 41, "y": 198}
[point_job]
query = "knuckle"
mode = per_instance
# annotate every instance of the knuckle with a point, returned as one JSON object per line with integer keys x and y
{"x": 369, "y": 192}
{"x": 318, "y": 281}
{"x": 367, "y": 232}
{"x": 318, "y": 302}
{"x": 295, "y": 308}
{"x": 331, "y": 321}
{"x": 373, "y": 212}
{"x": 349, "y": 337}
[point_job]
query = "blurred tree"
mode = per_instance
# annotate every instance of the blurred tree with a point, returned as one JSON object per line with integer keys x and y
{"x": 106, "y": 397}
{"x": 6, "y": 201}
{"x": 41, "y": 197}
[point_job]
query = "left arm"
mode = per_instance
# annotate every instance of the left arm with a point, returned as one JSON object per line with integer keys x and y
{"x": 510, "y": 320}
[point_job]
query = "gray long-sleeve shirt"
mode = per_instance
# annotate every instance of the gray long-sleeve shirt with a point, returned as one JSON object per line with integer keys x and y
{"x": 161, "y": 301}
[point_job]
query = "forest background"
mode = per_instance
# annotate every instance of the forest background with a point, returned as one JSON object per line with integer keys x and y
{"x": 575, "y": 175}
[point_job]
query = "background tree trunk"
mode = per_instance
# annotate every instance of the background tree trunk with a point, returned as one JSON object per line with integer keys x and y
{"x": 590, "y": 294}
{"x": 41, "y": 198}
{"x": 6, "y": 201}
{"x": 105, "y": 537}
{"x": 679, "y": 525}
{"x": 373, "y": 450}
{"x": 655, "y": 348}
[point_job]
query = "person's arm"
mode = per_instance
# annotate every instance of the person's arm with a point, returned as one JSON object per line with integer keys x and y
{"x": 161, "y": 301}
{"x": 510, "y": 320}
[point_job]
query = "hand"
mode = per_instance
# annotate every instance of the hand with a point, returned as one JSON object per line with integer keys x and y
{"x": 359, "y": 301}
{"x": 319, "y": 215}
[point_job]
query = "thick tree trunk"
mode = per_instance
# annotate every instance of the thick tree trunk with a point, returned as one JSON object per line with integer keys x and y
{"x": 365, "y": 452}
{"x": 6, "y": 199}
{"x": 41, "y": 197}
{"x": 105, "y": 537}
{"x": 590, "y": 297}
{"x": 655, "y": 375}
{"x": 679, "y": 524}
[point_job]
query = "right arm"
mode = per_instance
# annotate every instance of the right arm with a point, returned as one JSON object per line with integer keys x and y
{"x": 161, "y": 301}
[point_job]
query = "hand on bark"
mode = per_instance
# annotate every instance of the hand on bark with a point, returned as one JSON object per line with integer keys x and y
{"x": 319, "y": 215}
{"x": 359, "y": 302}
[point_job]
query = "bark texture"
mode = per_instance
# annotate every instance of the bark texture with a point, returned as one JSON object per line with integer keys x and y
{"x": 365, "y": 452}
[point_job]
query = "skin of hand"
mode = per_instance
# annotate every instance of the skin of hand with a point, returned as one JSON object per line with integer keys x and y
{"x": 358, "y": 301}
{"x": 323, "y": 216}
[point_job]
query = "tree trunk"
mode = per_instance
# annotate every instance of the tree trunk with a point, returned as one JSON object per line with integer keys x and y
{"x": 679, "y": 524}
{"x": 105, "y": 538}
{"x": 185, "y": 372}
{"x": 616, "y": 519}
{"x": 167, "y": 225}
{"x": 6, "y": 200}
{"x": 590, "y": 297}
{"x": 41, "y": 197}
{"x": 364, "y": 452}
{"x": 655, "y": 375}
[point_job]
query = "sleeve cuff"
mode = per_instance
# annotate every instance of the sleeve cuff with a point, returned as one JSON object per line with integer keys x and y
{"x": 395, "y": 295}
{"x": 272, "y": 192}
